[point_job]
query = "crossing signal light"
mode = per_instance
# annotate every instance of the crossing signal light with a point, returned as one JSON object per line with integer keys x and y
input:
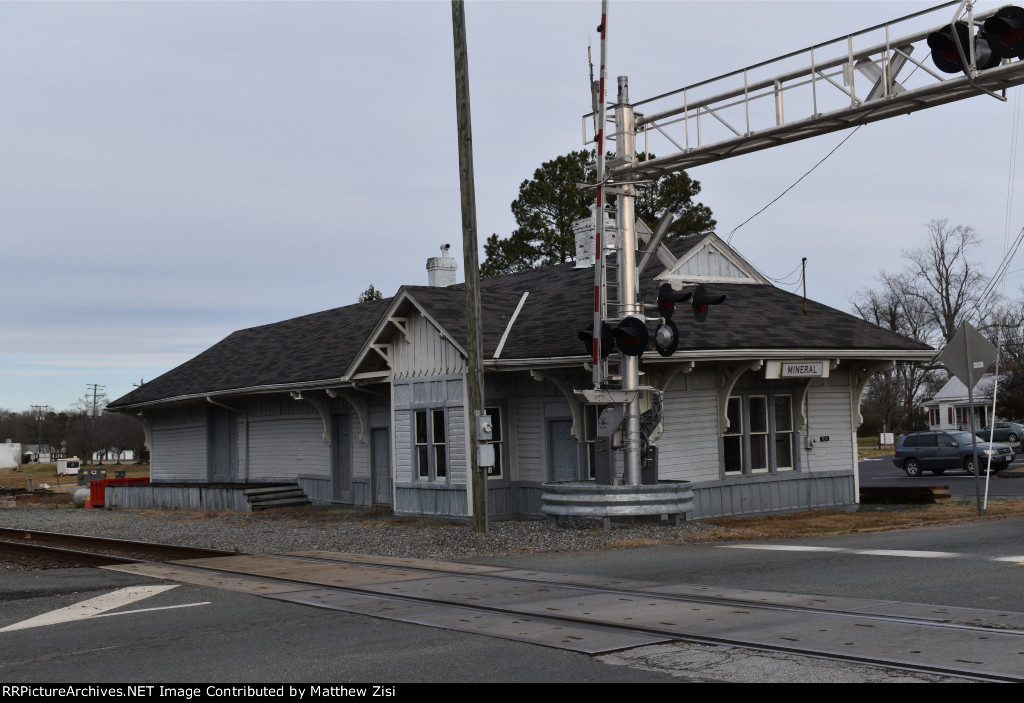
{"x": 607, "y": 339}
{"x": 701, "y": 300}
{"x": 668, "y": 297}
{"x": 632, "y": 337}
{"x": 666, "y": 337}
{"x": 1005, "y": 32}
{"x": 948, "y": 42}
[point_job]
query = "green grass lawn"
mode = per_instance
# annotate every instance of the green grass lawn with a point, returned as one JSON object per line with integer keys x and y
{"x": 867, "y": 448}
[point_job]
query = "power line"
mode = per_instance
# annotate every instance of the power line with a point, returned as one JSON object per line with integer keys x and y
{"x": 729, "y": 236}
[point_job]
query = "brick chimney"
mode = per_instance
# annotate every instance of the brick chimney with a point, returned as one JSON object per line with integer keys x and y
{"x": 441, "y": 269}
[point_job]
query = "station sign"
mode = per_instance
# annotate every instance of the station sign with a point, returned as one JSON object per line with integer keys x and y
{"x": 796, "y": 369}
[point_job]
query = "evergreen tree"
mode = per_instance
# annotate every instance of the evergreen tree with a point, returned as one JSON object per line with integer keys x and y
{"x": 369, "y": 294}
{"x": 551, "y": 202}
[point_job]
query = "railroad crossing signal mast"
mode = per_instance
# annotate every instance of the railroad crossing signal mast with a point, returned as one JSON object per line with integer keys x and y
{"x": 871, "y": 75}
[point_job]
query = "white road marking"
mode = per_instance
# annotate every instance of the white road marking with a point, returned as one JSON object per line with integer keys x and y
{"x": 91, "y": 607}
{"x": 910, "y": 553}
{"x": 783, "y": 547}
{"x": 913, "y": 553}
{"x": 148, "y": 610}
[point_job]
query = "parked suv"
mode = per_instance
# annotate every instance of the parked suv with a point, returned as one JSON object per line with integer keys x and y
{"x": 938, "y": 451}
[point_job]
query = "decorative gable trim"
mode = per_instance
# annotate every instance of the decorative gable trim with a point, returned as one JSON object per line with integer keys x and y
{"x": 711, "y": 261}
{"x": 397, "y": 318}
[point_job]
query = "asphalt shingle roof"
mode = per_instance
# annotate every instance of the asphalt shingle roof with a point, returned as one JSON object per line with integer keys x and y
{"x": 307, "y": 348}
{"x": 323, "y": 345}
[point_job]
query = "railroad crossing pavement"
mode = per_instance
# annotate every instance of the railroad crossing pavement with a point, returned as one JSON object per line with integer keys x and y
{"x": 608, "y": 615}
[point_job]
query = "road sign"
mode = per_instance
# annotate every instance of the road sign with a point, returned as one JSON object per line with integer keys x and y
{"x": 969, "y": 361}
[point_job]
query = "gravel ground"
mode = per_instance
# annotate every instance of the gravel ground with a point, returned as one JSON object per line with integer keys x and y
{"x": 357, "y": 531}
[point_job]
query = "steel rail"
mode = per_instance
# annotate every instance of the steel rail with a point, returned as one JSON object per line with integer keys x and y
{"x": 31, "y": 546}
{"x": 35, "y": 538}
{"x": 40, "y": 551}
{"x": 683, "y": 598}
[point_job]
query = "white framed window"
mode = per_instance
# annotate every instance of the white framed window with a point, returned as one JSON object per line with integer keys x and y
{"x": 430, "y": 443}
{"x": 761, "y": 437}
{"x": 758, "y": 408}
{"x": 733, "y": 438}
{"x": 783, "y": 421}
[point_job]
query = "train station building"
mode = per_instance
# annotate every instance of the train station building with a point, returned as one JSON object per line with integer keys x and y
{"x": 365, "y": 404}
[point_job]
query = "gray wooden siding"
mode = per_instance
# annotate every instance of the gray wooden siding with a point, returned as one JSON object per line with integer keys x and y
{"x": 197, "y": 497}
{"x": 828, "y": 415}
{"x": 534, "y": 402}
{"x": 429, "y": 354}
{"x": 402, "y": 460}
{"x": 429, "y": 393}
{"x": 709, "y": 262}
{"x": 179, "y": 445}
{"x": 689, "y": 447}
{"x": 284, "y": 446}
{"x": 431, "y": 499}
{"x": 360, "y": 450}
{"x": 766, "y": 494}
{"x": 458, "y": 439}
{"x": 529, "y": 437}
{"x": 274, "y": 406}
{"x": 316, "y": 488}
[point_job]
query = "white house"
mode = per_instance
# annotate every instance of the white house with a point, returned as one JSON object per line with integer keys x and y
{"x": 949, "y": 409}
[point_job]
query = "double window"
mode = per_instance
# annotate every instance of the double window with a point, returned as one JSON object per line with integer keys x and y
{"x": 760, "y": 437}
{"x": 430, "y": 432}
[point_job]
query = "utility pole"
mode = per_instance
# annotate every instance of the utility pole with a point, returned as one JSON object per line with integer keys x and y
{"x": 474, "y": 375}
{"x": 40, "y": 415}
{"x": 96, "y": 388}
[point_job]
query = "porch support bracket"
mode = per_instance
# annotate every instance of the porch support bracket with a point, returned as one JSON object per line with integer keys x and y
{"x": 858, "y": 380}
{"x": 801, "y": 405}
{"x": 321, "y": 407}
{"x": 727, "y": 381}
{"x": 564, "y": 384}
{"x": 362, "y": 407}
{"x": 661, "y": 378}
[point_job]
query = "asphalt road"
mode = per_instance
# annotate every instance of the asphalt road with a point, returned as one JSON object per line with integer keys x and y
{"x": 881, "y": 472}
{"x": 195, "y": 634}
{"x": 198, "y": 634}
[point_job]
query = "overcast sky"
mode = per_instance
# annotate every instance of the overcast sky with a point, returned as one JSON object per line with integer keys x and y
{"x": 174, "y": 171}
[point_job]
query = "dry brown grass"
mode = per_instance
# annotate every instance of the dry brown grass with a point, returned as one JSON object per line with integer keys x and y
{"x": 47, "y": 473}
{"x": 869, "y": 518}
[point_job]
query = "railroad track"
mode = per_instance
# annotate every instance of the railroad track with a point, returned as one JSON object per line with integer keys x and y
{"x": 630, "y": 612}
{"x": 48, "y": 547}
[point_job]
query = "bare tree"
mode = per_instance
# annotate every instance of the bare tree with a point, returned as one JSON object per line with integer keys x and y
{"x": 926, "y": 302}
{"x": 944, "y": 279}
{"x": 1004, "y": 326}
{"x": 893, "y": 395}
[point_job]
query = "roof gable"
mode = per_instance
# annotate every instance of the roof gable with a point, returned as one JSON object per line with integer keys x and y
{"x": 955, "y": 390}
{"x": 710, "y": 260}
